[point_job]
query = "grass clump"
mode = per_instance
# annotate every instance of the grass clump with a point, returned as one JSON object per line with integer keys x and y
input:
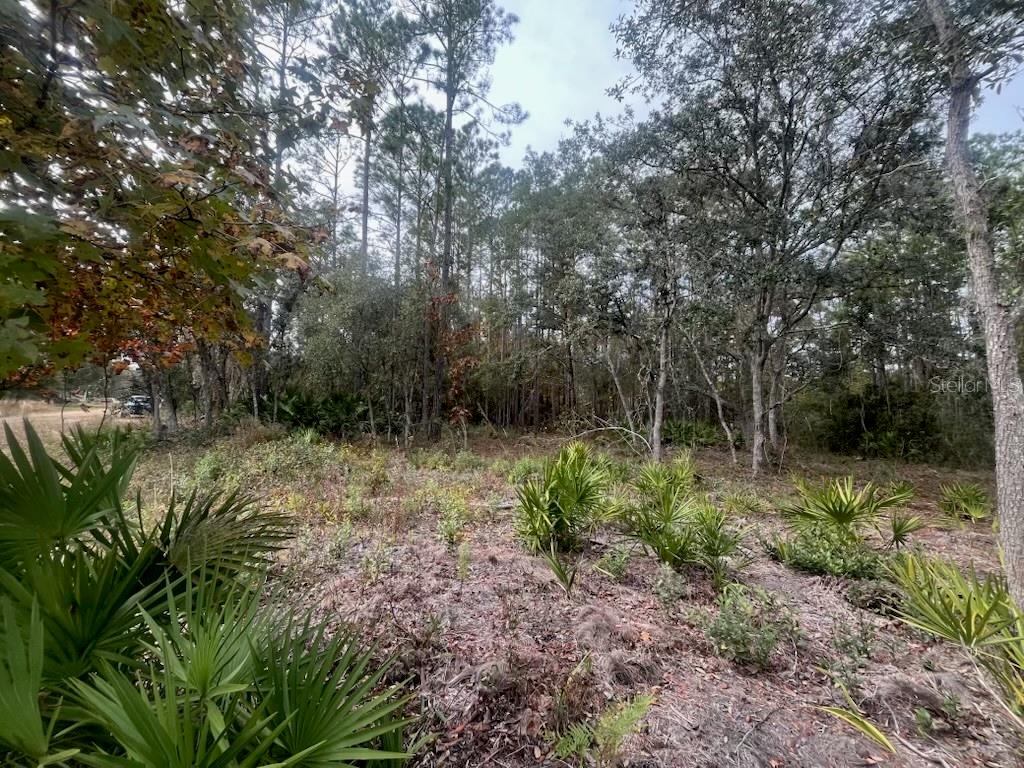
{"x": 375, "y": 473}
{"x": 340, "y": 541}
{"x": 467, "y": 461}
{"x": 452, "y": 519}
{"x": 744, "y": 501}
{"x": 525, "y": 468}
{"x": 429, "y": 458}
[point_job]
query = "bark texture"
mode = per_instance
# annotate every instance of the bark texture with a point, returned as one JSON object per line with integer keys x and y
{"x": 998, "y": 319}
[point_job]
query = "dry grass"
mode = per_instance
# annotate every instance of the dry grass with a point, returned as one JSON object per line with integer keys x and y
{"x": 501, "y": 659}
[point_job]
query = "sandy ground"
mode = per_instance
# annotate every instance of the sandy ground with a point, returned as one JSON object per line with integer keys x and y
{"x": 49, "y": 421}
{"x": 499, "y": 658}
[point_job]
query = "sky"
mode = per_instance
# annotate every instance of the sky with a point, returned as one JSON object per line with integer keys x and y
{"x": 563, "y": 60}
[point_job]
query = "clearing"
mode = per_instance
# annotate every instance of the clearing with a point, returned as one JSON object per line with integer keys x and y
{"x": 418, "y": 552}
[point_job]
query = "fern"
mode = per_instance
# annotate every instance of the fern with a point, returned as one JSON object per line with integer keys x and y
{"x": 602, "y": 741}
{"x": 575, "y": 742}
{"x": 615, "y": 725}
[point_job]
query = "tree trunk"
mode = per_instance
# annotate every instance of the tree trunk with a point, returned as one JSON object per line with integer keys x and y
{"x": 659, "y": 394}
{"x": 446, "y": 254}
{"x": 398, "y": 211}
{"x": 364, "y": 240}
{"x": 777, "y": 396}
{"x": 757, "y": 411}
{"x": 172, "y": 403}
{"x": 774, "y": 414}
{"x": 153, "y": 383}
{"x": 618, "y": 388}
{"x": 998, "y": 321}
{"x": 717, "y": 397}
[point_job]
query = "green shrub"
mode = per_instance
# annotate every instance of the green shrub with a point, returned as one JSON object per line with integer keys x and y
{"x": 823, "y": 550}
{"x": 965, "y": 501}
{"x": 340, "y": 414}
{"x": 890, "y": 423}
{"x": 852, "y": 646}
{"x": 693, "y": 434}
{"x": 375, "y": 473}
{"x": 450, "y": 506}
{"x": 749, "y": 625}
{"x": 876, "y": 595}
{"x": 515, "y": 472}
{"x": 341, "y": 540}
{"x": 717, "y": 543}
{"x": 309, "y": 436}
{"x": 125, "y": 644}
{"x": 467, "y": 461}
{"x": 564, "y": 572}
{"x": 669, "y": 586}
{"x": 287, "y": 459}
{"x": 210, "y": 468}
{"x": 618, "y": 470}
{"x": 423, "y": 458}
{"x": 679, "y": 476}
{"x": 357, "y": 505}
{"x": 660, "y": 517}
{"x": 744, "y": 501}
{"x": 614, "y": 563}
{"x": 452, "y": 520}
{"x": 901, "y": 526}
{"x": 375, "y": 562}
{"x": 555, "y": 509}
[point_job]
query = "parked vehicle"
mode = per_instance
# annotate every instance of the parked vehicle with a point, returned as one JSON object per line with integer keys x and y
{"x": 137, "y": 405}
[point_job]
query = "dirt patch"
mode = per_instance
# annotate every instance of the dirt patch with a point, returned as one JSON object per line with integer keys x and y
{"x": 501, "y": 661}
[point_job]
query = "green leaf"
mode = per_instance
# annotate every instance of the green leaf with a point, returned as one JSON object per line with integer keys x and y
{"x": 862, "y": 724}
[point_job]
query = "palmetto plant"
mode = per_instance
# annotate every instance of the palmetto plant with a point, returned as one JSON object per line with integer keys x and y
{"x": 127, "y": 644}
{"x": 837, "y": 504}
{"x": 718, "y": 543}
{"x": 556, "y": 508}
{"x": 901, "y": 526}
{"x": 660, "y": 519}
{"x": 974, "y": 612}
{"x": 565, "y": 572}
{"x": 968, "y": 501}
{"x": 681, "y": 528}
